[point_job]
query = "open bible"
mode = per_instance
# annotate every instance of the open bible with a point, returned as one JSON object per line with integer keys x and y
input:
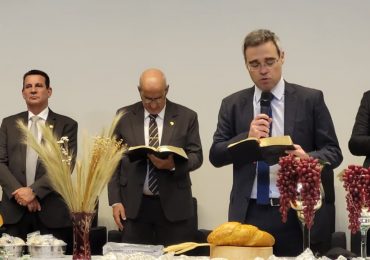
{"x": 267, "y": 149}
{"x": 140, "y": 152}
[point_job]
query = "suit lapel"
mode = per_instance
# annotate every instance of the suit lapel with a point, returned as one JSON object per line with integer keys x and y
{"x": 50, "y": 123}
{"x": 248, "y": 108}
{"x": 137, "y": 124}
{"x": 23, "y": 147}
{"x": 290, "y": 109}
{"x": 169, "y": 122}
{"x": 51, "y": 120}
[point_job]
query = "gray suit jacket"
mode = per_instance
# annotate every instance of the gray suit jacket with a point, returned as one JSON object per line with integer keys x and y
{"x": 127, "y": 183}
{"x": 306, "y": 119}
{"x": 54, "y": 213}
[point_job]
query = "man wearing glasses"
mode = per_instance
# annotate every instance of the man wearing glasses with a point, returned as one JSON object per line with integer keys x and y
{"x": 293, "y": 110}
{"x": 151, "y": 198}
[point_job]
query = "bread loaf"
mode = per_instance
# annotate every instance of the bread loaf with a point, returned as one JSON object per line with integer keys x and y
{"x": 236, "y": 234}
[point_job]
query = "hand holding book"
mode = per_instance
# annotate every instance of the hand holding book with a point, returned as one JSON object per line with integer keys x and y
{"x": 268, "y": 149}
{"x": 162, "y": 164}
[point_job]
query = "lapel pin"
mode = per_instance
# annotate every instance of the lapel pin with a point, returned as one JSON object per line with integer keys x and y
{"x": 51, "y": 126}
{"x": 172, "y": 123}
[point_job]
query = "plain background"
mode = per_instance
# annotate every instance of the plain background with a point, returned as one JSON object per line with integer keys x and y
{"x": 94, "y": 52}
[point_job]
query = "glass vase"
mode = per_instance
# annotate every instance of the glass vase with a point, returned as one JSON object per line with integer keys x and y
{"x": 298, "y": 207}
{"x": 305, "y": 231}
{"x": 81, "y": 222}
{"x": 364, "y": 227}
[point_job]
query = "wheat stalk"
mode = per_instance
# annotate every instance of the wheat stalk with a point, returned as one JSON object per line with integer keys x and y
{"x": 101, "y": 156}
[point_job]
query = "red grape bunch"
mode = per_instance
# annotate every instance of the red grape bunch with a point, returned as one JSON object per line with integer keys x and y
{"x": 305, "y": 172}
{"x": 356, "y": 181}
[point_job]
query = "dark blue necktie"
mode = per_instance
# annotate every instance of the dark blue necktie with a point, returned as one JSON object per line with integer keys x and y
{"x": 263, "y": 174}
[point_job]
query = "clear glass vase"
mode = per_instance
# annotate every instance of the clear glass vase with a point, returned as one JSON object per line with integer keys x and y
{"x": 364, "y": 227}
{"x": 81, "y": 222}
{"x": 298, "y": 207}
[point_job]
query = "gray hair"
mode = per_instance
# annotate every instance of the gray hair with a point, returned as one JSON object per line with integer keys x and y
{"x": 259, "y": 37}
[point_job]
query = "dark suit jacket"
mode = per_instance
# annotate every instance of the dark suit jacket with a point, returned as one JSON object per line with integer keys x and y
{"x": 306, "y": 119}
{"x": 54, "y": 213}
{"x": 127, "y": 183}
{"x": 359, "y": 144}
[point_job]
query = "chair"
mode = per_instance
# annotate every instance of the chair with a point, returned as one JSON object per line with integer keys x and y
{"x": 2, "y": 229}
{"x": 98, "y": 235}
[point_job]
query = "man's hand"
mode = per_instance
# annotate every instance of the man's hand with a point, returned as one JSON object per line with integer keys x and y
{"x": 119, "y": 214}
{"x": 162, "y": 164}
{"x": 299, "y": 152}
{"x": 34, "y": 206}
{"x": 260, "y": 126}
{"x": 24, "y": 195}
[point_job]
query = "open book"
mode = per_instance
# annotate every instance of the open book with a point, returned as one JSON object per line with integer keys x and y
{"x": 267, "y": 149}
{"x": 140, "y": 152}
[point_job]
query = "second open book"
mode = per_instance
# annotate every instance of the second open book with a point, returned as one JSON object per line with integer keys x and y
{"x": 267, "y": 149}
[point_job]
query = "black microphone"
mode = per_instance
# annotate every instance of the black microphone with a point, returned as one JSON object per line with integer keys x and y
{"x": 265, "y": 103}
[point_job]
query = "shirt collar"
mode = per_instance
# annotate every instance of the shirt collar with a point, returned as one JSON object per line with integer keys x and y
{"x": 43, "y": 114}
{"x": 277, "y": 91}
{"x": 160, "y": 114}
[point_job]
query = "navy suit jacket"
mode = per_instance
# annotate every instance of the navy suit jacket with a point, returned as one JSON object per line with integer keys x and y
{"x": 359, "y": 144}
{"x": 54, "y": 212}
{"x": 306, "y": 119}
{"x": 181, "y": 129}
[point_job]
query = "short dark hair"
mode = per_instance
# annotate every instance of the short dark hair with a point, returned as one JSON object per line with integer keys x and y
{"x": 259, "y": 37}
{"x": 38, "y": 72}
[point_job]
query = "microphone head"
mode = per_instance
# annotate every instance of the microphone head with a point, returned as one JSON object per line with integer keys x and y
{"x": 265, "y": 102}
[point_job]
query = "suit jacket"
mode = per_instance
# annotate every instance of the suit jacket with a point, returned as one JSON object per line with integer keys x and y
{"x": 181, "y": 129}
{"x": 306, "y": 119}
{"x": 54, "y": 213}
{"x": 359, "y": 144}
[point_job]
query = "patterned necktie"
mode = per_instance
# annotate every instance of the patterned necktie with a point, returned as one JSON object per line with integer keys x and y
{"x": 263, "y": 173}
{"x": 154, "y": 142}
{"x": 31, "y": 156}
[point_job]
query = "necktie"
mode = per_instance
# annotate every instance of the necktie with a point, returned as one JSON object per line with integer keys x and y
{"x": 31, "y": 156}
{"x": 263, "y": 174}
{"x": 154, "y": 142}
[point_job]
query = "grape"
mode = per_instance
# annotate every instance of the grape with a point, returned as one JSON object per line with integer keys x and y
{"x": 356, "y": 181}
{"x": 294, "y": 170}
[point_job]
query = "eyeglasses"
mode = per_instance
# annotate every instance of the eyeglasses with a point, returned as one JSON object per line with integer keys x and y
{"x": 269, "y": 63}
{"x": 147, "y": 100}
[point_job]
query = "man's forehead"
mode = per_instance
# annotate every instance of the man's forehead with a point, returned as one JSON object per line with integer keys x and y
{"x": 33, "y": 78}
{"x": 265, "y": 50}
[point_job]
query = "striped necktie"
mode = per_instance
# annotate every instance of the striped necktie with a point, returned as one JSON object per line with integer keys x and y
{"x": 154, "y": 142}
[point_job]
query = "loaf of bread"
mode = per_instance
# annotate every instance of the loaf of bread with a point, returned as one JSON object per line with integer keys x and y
{"x": 236, "y": 234}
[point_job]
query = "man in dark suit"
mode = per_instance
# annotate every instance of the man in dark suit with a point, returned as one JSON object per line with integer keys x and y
{"x": 156, "y": 209}
{"x": 359, "y": 145}
{"x": 296, "y": 111}
{"x": 29, "y": 203}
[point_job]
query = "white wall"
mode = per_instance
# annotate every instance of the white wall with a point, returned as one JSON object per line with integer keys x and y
{"x": 94, "y": 52}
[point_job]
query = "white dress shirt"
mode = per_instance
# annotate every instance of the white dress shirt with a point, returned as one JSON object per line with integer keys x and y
{"x": 277, "y": 107}
{"x": 43, "y": 116}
